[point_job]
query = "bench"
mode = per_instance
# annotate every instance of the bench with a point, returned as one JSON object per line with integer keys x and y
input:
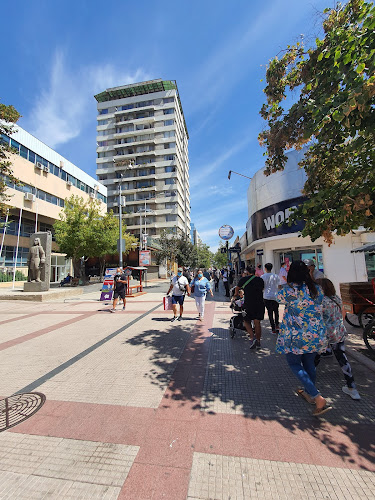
{"x": 130, "y": 289}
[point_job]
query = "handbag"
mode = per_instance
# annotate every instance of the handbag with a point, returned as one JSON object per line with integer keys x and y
{"x": 167, "y": 303}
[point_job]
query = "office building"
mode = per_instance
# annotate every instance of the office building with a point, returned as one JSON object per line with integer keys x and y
{"x": 47, "y": 179}
{"x": 142, "y": 143}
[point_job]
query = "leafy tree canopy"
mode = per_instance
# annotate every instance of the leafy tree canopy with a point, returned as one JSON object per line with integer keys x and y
{"x": 333, "y": 85}
{"x": 180, "y": 249}
{"x": 220, "y": 260}
{"x": 8, "y": 117}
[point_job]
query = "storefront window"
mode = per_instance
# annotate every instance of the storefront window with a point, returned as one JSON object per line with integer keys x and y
{"x": 289, "y": 256}
{"x": 370, "y": 265}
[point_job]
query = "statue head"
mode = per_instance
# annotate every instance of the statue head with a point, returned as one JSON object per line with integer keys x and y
{"x": 37, "y": 241}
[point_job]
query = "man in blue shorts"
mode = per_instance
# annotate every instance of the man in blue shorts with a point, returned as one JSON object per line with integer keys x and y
{"x": 179, "y": 286}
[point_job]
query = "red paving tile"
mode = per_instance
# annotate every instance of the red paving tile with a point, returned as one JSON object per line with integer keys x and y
{"x": 208, "y": 441}
{"x": 151, "y": 481}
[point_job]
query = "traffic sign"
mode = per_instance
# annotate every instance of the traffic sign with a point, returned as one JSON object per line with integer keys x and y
{"x": 226, "y": 232}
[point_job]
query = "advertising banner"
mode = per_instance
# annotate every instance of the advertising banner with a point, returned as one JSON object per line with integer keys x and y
{"x": 108, "y": 284}
{"x": 273, "y": 220}
{"x": 145, "y": 258}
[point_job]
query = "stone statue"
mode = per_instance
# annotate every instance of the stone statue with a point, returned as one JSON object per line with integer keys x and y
{"x": 39, "y": 263}
{"x": 35, "y": 261}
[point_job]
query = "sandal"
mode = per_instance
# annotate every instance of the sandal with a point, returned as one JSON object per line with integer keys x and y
{"x": 303, "y": 394}
{"x": 321, "y": 411}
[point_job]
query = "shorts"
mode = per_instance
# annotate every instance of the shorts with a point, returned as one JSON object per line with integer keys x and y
{"x": 178, "y": 299}
{"x": 119, "y": 293}
{"x": 254, "y": 313}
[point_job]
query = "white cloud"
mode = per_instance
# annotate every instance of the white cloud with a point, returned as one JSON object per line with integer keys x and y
{"x": 67, "y": 104}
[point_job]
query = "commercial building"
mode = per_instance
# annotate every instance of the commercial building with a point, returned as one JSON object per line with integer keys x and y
{"x": 142, "y": 144}
{"x": 194, "y": 236}
{"x": 47, "y": 178}
{"x": 269, "y": 238}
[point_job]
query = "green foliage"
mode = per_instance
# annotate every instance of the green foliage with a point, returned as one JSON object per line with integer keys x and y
{"x": 83, "y": 231}
{"x": 220, "y": 259}
{"x": 7, "y": 277}
{"x": 169, "y": 246}
{"x": 205, "y": 256}
{"x": 180, "y": 249}
{"x": 334, "y": 114}
{"x": 8, "y": 116}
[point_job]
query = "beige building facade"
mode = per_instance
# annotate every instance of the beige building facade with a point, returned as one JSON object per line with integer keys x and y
{"x": 142, "y": 144}
{"x": 47, "y": 179}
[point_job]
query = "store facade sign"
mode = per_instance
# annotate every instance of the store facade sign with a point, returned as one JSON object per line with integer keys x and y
{"x": 226, "y": 232}
{"x": 273, "y": 220}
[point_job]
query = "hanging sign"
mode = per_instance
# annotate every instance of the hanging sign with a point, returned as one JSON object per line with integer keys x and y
{"x": 226, "y": 232}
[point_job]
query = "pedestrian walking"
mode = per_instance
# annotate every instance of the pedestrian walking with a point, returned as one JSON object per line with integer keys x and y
{"x": 271, "y": 288}
{"x": 283, "y": 273}
{"x": 200, "y": 287}
{"x": 335, "y": 332}
{"x": 314, "y": 273}
{"x": 254, "y": 305}
{"x": 120, "y": 285}
{"x": 179, "y": 287}
{"x": 302, "y": 333}
{"x": 225, "y": 275}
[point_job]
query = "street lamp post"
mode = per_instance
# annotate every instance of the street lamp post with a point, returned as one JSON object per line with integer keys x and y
{"x": 233, "y": 172}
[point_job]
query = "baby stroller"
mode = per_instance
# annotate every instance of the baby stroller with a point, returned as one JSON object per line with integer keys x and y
{"x": 236, "y": 321}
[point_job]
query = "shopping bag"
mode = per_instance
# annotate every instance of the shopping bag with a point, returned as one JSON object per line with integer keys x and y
{"x": 167, "y": 303}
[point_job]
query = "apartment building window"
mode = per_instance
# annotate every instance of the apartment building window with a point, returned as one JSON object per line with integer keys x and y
{"x": 170, "y": 218}
{"x": 31, "y": 156}
{"x": 169, "y": 194}
{"x": 168, "y": 157}
{"x": 170, "y": 206}
{"x": 145, "y": 183}
{"x": 168, "y": 122}
{"x": 127, "y": 106}
{"x": 103, "y": 122}
{"x": 168, "y": 111}
{"x": 170, "y": 133}
{"x": 125, "y": 128}
{"x": 142, "y": 104}
{"x": 103, "y": 111}
{"x": 170, "y": 181}
{"x": 168, "y": 99}
{"x": 104, "y": 132}
{"x": 170, "y": 168}
{"x": 169, "y": 145}
{"x": 23, "y": 152}
{"x": 14, "y": 144}
{"x": 129, "y": 197}
{"x": 103, "y": 143}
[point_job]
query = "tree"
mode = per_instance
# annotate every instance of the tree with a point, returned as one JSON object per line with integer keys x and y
{"x": 220, "y": 259}
{"x": 186, "y": 253}
{"x": 334, "y": 115}
{"x": 205, "y": 256}
{"x": 8, "y": 117}
{"x": 83, "y": 231}
{"x": 168, "y": 242}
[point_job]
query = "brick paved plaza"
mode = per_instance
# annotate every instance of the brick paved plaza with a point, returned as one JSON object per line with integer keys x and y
{"x": 139, "y": 408}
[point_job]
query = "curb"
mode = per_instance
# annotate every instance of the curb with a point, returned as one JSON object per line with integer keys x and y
{"x": 361, "y": 358}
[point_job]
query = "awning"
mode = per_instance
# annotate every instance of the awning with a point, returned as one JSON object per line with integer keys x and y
{"x": 369, "y": 247}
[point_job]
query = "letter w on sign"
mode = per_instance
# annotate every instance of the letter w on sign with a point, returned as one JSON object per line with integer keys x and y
{"x": 269, "y": 222}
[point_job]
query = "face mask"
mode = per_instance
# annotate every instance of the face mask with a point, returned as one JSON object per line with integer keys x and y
{"x": 200, "y": 275}
{"x": 179, "y": 273}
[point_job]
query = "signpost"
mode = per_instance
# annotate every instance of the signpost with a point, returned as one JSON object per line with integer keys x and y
{"x": 144, "y": 257}
{"x": 226, "y": 232}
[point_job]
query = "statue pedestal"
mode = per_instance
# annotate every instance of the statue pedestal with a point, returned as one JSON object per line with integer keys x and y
{"x": 36, "y": 287}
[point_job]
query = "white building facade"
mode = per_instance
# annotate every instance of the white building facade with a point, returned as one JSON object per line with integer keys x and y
{"x": 269, "y": 238}
{"x": 142, "y": 143}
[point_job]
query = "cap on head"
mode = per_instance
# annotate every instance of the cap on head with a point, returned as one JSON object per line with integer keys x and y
{"x": 180, "y": 269}
{"x": 309, "y": 262}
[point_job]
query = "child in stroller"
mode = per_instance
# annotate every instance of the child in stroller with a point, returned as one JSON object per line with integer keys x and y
{"x": 236, "y": 321}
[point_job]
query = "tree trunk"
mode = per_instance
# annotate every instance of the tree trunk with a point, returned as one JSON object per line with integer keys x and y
{"x": 101, "y": 269}
{"x": 77, "y": 268}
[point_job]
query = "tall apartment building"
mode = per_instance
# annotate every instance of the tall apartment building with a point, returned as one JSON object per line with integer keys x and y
{"x": 142, "y": 142}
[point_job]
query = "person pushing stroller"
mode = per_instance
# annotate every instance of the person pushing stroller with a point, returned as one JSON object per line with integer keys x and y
{"x": 237, "y": 306}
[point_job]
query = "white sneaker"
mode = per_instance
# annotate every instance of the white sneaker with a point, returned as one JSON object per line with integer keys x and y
{"x": 353, "y": 393}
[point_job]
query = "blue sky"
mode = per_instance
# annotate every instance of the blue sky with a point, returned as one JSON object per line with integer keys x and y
{"x": 57, "y": 55}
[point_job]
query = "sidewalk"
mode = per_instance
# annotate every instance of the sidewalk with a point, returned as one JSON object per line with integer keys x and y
{"x": 138, "y": 407}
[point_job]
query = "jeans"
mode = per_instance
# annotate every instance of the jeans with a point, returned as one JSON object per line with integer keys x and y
{"x": 303, "y": 367}
{"x": 339, "y": 352}
{"x": 273, "y": 312}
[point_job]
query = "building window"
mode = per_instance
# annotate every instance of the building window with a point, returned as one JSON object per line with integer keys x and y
{"x": 169, "y": 194}
{"x": 172, "y": 180}
{"x": 168, "y": 122}
{"x": 103, "y": 122}
{"x": 170, "y": 206}
{"x": 169, "y": 111}
{"x": 127, "y": 106}
{"x": 169, "y": 158}
{"x": 170, "y": 133}
{"x": 23, "y": 152}
{"x": 103, "y": 111}
{"x": 170, "y": 218}
{"x": 170, "y": 168}
{"x": 169, "y": 145}
{"x": 168, "y": 99}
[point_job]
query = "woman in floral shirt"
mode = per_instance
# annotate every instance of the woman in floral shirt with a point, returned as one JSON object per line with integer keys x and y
{"x": 335, "y": 332}
{"x": 302, "y": 333}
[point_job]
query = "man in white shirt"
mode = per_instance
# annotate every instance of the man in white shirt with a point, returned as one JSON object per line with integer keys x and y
{"x": 314, "y": 272}
{"x": 271, "y": 287}
{"x": 283, "y": 274}
{"x": 179, "y": 286}
{"x": 226, "y": 282}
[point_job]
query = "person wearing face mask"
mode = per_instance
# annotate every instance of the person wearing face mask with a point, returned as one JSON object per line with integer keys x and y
{"x": 179, "y": 286}
{"x": 201, "y": 287}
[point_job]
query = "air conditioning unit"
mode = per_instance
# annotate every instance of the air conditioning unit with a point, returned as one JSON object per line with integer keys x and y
{"x": 39, "y": 165}
{"x": 69, "y": 183}
{"x": 92, "y": 195}
{"x": 46, "y": 169}
{"x": 29, "y": 197}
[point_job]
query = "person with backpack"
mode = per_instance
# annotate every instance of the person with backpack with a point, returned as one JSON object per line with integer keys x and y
{"x": 179, "y": 287}
{"x": 253, "y": 305}
{"x": 335, "y": 332}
